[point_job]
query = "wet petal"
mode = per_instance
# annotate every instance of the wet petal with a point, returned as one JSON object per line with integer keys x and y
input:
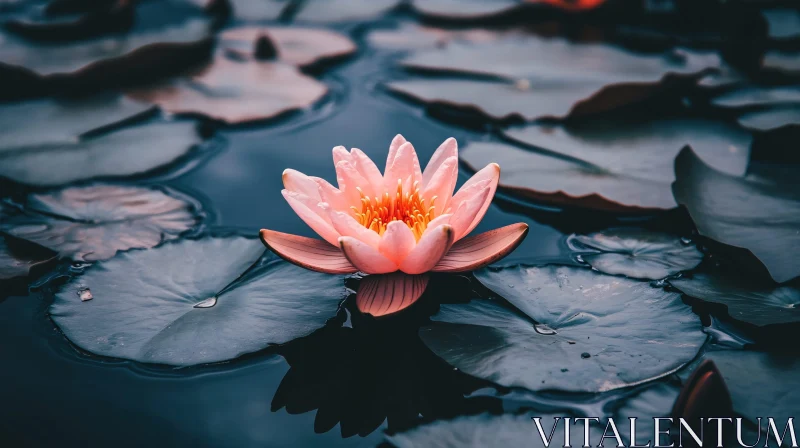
{"x": 346, "y": 225}
{"x": 298, "y": 182}
{"x": 446, "y": 150}
{"x": 368, "y": 170}
{"x": 477, "y": 182}
{"x": 481, "y": 250}
{"x": 428, "y": 251}
{"x": 309, "y": 253}
{"x": 404, "y": 167}
{"x": 441, "y": 185}
{"x": 468, "y": 211}
{"x": 365, "y": 257}
{"x": 397, "y": 241}
{"x": 311, "y": 217}
{"x": 380, "y": 295}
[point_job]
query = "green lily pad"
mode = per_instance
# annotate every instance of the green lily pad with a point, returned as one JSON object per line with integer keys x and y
{"x": 194, "y": 302}
{"x": 597, "y": 332}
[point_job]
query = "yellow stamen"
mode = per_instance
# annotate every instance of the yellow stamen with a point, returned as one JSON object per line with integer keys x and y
{"x": 408, "y": 207}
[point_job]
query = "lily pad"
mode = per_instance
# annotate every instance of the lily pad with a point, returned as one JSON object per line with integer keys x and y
{"x": 597, "y": 332}
{"x": 464, "y": 10}
{"x": 328, "y": 11}
{"x": 760, "y": 217}
{"x": 608, "y": 166}
{"x": 194, "y": 302}
{"x": 636, "y": 253}
{"x": 783, "y": 23}
{"x": 107, "y": 61}
{"x": 750, "y": 301}
{"x": 19, "y": 257}
{"x": 754, "y": 96}
{"x": 412, "y": 36}
{"x": 239, "y": 86}
{"x": 94, "y": 222}
{"x": 771, "y": 119}
{"x": 259, "y": 10}
{"x": 44, "y": 160}
{"x": 494, "y": 431}
{"x": 531, "y": 77}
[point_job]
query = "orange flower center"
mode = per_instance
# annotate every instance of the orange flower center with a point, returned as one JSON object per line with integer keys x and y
{"x": 408, "y": 207}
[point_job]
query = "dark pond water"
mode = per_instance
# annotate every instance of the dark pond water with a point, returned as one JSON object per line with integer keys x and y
{"x": 357, "y": 379}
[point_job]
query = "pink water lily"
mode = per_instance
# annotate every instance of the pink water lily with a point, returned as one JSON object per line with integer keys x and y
{"x": 398, "y": 225}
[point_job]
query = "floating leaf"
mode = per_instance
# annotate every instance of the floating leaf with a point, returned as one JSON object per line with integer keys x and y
{"x": 603, "y": 333}
{"x": 532, "y": 77}
{"x": 94, "y": 222}
{"x": 607, "y": 166}
{"x": 747, "y": 300}
{"x": 130, "y": 151}
{"x": 35, "y": 69}
{"x": 145, "y": 302}
{"x": 464, "y": 10}
{"x": 19, "y": 257}
{"x": 259, "y": 10}
{"x": 343, "y": 10}
{"x": 755, "y": 96}
{"x": 760, "y": 217}
{"x": 782, "y": 23}
{"x": 785, "y": 63}
{"x": 771, "y": 119}
{"x": 301, "y": 47}
{"x": 488, "y": 431}
{"x": 250, "y": 89}
{"x": 411, "y": 36}
{"x": 636, "y": 253}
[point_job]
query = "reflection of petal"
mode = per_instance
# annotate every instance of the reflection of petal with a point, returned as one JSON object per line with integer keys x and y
{"x": 380, "y": 295}
{"x": 483, "y": 249}
{"x": 309, "y": 253}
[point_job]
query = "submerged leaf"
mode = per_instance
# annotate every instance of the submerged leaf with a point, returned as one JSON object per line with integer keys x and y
{"x": 603, "y": 332}
{"x": 94, "y": 222}
{"x": 748, "y": 301}
{"x": 762, "y": 218}
{"x": 616, "y": 167}
{"x": 145, "y": 305}
{"x": 19, "y": 257}
{"x": 636, "y": 253}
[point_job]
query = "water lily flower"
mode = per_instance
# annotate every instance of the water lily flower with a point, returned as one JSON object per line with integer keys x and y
{"x": 396, "y": 226}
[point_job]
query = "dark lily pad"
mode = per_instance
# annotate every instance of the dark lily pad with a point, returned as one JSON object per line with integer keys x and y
{"x": 786, "y": 63}
{"x": 782, "y": 23}
{"x": 94, "y": 222}
{"x": 596, "y": 332}
{"x": 464, "y": 10}
{"x": 636, "y": 253}
{"x": 35, "y": 69}
{"x": 494, "y": 431}
{"x": 532, "y": 77}
{"x": 47, "y": 161}
{"x": 412, "y": 36}
{"x": 748, "y": 301}
{"x": 608, "y": 166}
{"x": 19, "y": 257}
{"x": 259, "y": 10}
{"x": 760, "y": 217}
{"x": 761, "y": 384}
{"x": 755, "y": 96}
{"x": 194, "y": 302}
{"x": 771, "y": 119}
{"x": 242, "y": 86}
{"x": 102, "y": 17}
{"x": 343, "y": 10}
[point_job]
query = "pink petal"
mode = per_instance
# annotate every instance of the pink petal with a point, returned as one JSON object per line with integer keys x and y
{"x": 380, "y": 295}
{"x": 438, "y": 221}
{"x": 310, "y": 216}
{"x": 473, "y": 186}
{"x": 368, "y": 170}
{"x": 397, "y": 142}
{"x": 397, "y": 241}
{"x": 481, "y": 250}
{"x": 446, "y": 150}
{"x": 428, "y": 251}
{"x": 365, "y": 257}
{"x": 349, "y": 180}
{"x": 298, "y": 182}
{"x": 467, "y": 211}
{"x": 332, "y": 195}
{"x": 404, "y": 167}
{"x": 441, "y": 185}
{"x": 308, "y": 253}
{"x": 340, "y": 153}
{"x": 346, "y": 225}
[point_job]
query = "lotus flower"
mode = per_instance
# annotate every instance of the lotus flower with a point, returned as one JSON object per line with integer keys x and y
{"x": 397, "y": 226}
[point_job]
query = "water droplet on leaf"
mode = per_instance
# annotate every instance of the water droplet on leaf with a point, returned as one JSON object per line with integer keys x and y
{"x": 85, "y": 294}
{"x": 208, "y": 303}
{"x": 544, "y": 329}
